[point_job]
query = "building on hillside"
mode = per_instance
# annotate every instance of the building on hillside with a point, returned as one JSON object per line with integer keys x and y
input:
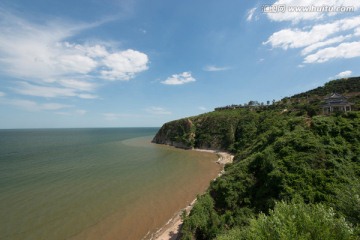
{"x": 336, "y": 103}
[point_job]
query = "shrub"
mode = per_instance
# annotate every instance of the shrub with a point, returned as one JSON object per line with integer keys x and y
{"x": 203, "y": 220}
{"x": 295, "y": 220}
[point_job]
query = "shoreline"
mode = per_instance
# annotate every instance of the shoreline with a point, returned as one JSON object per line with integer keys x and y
{"x": 171, "y": 230}
{"x": 224, "y": 157}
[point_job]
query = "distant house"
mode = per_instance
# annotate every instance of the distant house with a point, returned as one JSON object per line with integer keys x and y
{"x": 336, "y": 103}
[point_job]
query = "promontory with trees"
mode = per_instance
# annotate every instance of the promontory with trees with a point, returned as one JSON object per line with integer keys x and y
{"x": 296, "y": 171}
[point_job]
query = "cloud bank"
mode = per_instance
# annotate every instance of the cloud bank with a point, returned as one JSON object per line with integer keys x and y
{"x": 47, "y": 64}
{"x": 320, "y": 35}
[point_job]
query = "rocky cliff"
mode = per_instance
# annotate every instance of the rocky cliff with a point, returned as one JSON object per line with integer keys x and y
{"x": 179, "y": 133}
{"x": 207, "y": 131}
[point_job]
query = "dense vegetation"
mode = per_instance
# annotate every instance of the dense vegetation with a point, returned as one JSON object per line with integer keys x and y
{"x": 296, "y": 173}
{"x": 343, "y": 86}
{"x": 296, "y": 220}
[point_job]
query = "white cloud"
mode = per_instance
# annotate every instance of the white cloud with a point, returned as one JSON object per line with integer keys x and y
{"x": 49, "y": 64}
{"x": 250, "y": 14}
{"x": 179, "y": 79}
{"x": 25, "y": 104}
{"x": 212, "y": 68}
{"x": 44, "y": 91}
{"x": 321, "y": 42}
{"x": 124, "y": 65}
{"x": 344, "y": 74}
{"x": 34, "y": 106}
{"x": 297, "y": 38}
{"x": 298, "y": 16}
{"x": 318, "y": 45}
{"x": 78, "y": 84}
{"x": 76, "y": 63}
{"x": 344, "y": 50}
{"x": 72, "y": 89}
{"x": 158, "y": 111}
{"x": 357, "y": 31}
{"x": 92, "y": 51}
{"x": 34, "y": 51}
{"x": 2, "y": 94}
{"x": 202, "y": 108}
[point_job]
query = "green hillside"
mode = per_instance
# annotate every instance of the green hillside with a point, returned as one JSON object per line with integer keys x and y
{"x": 296, "y": 173}
{"x": 342, "y": 86}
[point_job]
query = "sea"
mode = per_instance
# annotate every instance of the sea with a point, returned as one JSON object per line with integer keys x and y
{"x": 105, "y": 183}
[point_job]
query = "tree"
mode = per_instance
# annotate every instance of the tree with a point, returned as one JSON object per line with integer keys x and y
{"x": 295, "y": 220}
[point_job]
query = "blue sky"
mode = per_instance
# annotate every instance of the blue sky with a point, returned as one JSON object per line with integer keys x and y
{"x": 133, "y": 63}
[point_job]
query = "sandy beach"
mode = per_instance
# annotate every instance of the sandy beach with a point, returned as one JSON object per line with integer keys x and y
{"x": 171, "y": 230}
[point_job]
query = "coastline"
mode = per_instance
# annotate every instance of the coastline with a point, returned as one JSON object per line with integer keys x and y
{"x": 171, "y": 230}
{"x": 224, "y": 157}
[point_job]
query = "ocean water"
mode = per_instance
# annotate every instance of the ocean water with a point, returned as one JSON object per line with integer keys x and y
{"x": 94, "y": 183}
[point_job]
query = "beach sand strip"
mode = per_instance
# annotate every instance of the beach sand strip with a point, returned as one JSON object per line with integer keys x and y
{"x": 171, "y": 230}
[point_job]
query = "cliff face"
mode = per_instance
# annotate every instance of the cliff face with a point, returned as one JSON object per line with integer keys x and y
{"x": 207, "y": 131}
{"x": 179, "y": 133}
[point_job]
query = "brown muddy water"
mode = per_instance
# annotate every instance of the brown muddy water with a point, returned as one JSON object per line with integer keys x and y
{"x": 94, "y": 183}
